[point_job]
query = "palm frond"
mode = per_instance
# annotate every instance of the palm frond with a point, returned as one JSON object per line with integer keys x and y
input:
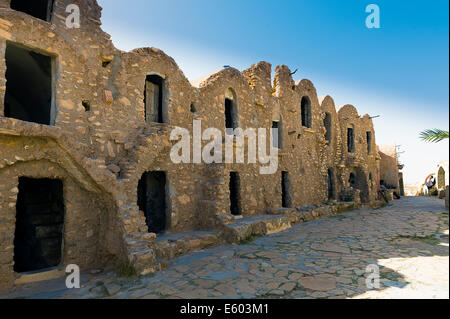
{"x": 434, "y": 136}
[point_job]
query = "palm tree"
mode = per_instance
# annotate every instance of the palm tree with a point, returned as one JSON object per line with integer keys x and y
{"x": 434, "y": 136}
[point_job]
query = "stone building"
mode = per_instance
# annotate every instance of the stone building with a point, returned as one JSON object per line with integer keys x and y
{"x": 390, "y": 169}
{"x": 86, "y": 175}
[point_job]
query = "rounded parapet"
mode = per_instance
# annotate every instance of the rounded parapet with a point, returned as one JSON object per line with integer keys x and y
{"x": 348, "y": 112}
{"x": 327, "y": 104}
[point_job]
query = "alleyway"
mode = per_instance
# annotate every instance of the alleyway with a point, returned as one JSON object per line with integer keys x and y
{"x": 327, "y": 258}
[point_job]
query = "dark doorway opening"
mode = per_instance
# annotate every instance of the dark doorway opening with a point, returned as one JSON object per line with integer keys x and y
{"x": 286, "y": 190}
{"x": 231, "y": 116}
{"x": 352, "y": 180}
{"x": 154, "y": 99}
{"x": 39, "y": 224}
{"x": 331, "y": 183}
{"x": 350, "y": 140}
{"x": 41, "y": 9}
{"x": 28, "y": 95}
{"x": 235, "y": 196}
{"x": 358, "y": 180}
{"x": 152, "y": 200}
{"x": 327, "y": 124}
{"x": 306, "y": 112}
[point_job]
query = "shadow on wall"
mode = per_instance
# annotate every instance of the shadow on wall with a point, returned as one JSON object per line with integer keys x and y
{"x": 358, "y": 180}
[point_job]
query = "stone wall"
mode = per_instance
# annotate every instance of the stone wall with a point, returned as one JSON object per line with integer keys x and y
{"x": 389, "y": 166}
{"x": 89, "y": 223}
{"x": 100, "y": 143}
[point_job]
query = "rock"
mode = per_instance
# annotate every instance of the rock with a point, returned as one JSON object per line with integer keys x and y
{"x": 330, "y": 247}
{"x": 114, "y": 168}
{"x": 96, "y": 271}
{"x": 272, "y": 285}
{"x": 288, "y": 287}
{"x": 108, "y": 97}
{"x": 317, "y": 283}
{"x": 226, "y": 290}
{"x": 277, "y": 292}
{"x": 295, "y": 276}
{"x": 112, "y": 289}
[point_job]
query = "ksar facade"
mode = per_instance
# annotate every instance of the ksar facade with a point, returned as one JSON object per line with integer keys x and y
{"x": 85, "y": 171}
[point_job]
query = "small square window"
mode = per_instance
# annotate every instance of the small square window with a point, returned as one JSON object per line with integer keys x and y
{"x": 28, "y": 94}
{"x": 41, "y": 9}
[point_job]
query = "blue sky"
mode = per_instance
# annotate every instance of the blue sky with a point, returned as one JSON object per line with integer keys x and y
{"x": 399, "y": 71}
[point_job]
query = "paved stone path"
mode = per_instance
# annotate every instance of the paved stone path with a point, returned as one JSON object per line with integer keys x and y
{"x": 327, "y": 258}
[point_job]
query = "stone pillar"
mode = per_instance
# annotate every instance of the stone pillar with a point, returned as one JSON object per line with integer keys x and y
{"x": 402, "y": 185}
{"x": 446, "y": 197}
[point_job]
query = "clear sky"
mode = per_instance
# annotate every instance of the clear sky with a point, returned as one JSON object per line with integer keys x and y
{"x": 400, "y": 71}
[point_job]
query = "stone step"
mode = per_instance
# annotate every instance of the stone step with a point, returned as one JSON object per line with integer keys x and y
{"x": 279, "y": 219}
{"x": 140, "y": 252}
{"x": 173, "y": 245}
{"x": 143, "y": 260}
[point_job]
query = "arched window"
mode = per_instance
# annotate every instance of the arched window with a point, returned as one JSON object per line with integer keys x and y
{"x": 231, "y": 110}
{"x": 369, "y": 142}
{"x": 306, "y": 112}
{"x": 351, "y": 139}
{"x": 327, "y": 124}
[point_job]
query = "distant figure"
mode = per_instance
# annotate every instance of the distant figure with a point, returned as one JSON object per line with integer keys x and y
{"x": 431, "y": 183}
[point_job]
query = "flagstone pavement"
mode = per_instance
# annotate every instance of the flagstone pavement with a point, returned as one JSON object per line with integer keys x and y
{"x": 405, "y": 243}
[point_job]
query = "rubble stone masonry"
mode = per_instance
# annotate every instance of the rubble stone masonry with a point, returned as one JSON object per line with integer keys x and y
{"x": 99, "y": 143}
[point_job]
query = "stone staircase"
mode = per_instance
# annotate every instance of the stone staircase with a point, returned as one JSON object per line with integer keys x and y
{"x": 151, "y": 140}
{"x": 139, "y": 244}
